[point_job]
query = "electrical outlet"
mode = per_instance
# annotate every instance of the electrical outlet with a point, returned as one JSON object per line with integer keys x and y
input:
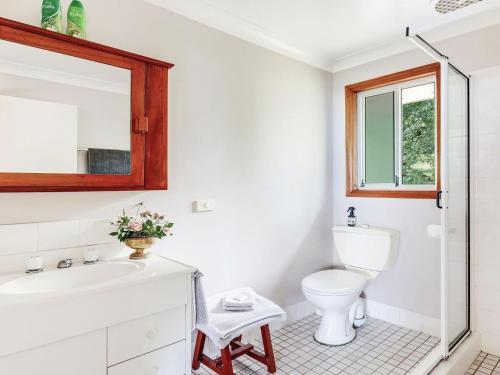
{"x": 203, "y": 205}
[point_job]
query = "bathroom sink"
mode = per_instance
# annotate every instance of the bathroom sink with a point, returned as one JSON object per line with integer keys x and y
{"x": 69, "y": 278}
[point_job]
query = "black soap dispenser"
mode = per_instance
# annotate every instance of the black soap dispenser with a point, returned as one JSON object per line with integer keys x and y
{"x": 351, "y": 219}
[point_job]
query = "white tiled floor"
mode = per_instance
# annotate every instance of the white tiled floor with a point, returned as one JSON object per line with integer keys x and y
{"x": 380, "y": 348}
{"x": 485, "y": 364}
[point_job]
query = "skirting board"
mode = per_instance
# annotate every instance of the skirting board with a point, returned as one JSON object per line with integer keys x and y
{"x": 404, "y": 318}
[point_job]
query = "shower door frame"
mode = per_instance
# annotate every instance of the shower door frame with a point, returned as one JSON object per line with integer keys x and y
{"x": 448, "y": 346}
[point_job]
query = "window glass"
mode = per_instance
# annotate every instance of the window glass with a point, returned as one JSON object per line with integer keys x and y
{"x": 418, "y": 135}
{"x": 379, "y": 139}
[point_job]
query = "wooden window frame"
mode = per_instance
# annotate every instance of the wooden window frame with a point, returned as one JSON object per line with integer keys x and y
{"x": 351, "y": 103}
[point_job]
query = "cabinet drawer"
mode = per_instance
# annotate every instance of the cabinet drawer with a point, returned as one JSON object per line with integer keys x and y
{"x": 167, "y": 361}
{"x": 134, "y": 338}
{"x": 80, "y": 355}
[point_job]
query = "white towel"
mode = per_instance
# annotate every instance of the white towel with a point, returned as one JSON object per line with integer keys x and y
{"x": 222, "y": 326}
{"x": 237, "y": 308}
{"x": 239, "y": 300}
{"x": 199, "y": 305}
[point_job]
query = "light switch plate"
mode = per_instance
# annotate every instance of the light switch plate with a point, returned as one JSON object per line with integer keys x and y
{"x": 203, "y": 205}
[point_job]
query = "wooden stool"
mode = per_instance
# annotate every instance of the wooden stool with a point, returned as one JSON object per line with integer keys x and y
{"x": 223, "y": 365}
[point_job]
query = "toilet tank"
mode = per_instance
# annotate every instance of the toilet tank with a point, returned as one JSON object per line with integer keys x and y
{"x": 366, "y": 247}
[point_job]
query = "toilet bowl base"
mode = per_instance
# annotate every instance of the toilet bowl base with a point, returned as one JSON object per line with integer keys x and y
{"x": 335, "y": 328}
{"x": 334, "y": 345}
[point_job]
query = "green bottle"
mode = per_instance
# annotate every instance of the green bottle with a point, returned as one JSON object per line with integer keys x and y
{"x": 77, "y": 20}
{"x": 52, "y": 15}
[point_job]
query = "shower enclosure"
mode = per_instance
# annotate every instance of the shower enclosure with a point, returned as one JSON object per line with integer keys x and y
{"x": 453, "y": 200}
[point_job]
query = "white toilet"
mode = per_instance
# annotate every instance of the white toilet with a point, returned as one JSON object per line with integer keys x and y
{"x": 365, "y": 251}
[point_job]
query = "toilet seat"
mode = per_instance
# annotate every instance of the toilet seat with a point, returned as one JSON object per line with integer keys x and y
{"x": 334, "y": 283}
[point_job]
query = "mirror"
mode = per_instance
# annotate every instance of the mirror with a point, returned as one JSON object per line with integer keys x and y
{"x": 62, "y": 114}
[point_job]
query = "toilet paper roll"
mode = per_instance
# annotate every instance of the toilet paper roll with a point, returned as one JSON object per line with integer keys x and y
{"x": 434, "y": 231}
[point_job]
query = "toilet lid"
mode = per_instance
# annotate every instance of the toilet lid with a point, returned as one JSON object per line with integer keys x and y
{"x": 334, "y": 282}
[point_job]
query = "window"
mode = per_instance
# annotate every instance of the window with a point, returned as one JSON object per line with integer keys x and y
{"x": 392, "y": 135}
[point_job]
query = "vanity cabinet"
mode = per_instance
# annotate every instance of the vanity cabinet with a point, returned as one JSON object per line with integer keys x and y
{"x": 81, "y": 355}
{"x": 79, "y": 116}
{"x": 153, "y": 345}
{"x": 139, "y": 323}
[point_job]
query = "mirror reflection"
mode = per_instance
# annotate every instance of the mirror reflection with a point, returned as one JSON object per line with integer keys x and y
{"x": 62, "y": 114}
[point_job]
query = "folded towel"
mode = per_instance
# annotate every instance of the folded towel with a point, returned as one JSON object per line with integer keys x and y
{"x": 222, "y": 326}
{"x": 237, "y": 308}
{"x": 240, "y": 299}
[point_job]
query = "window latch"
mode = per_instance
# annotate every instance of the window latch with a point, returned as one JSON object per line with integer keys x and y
{"x": 439, "y": 197}
{"x": 396, "y": 180}
{"x": 362, "y": 184}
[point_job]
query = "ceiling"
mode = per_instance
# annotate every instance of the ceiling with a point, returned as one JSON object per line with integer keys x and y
{"x": 331, "y": 34}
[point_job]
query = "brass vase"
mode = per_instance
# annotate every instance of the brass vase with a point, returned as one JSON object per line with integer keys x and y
{"x": 140, "y": 245}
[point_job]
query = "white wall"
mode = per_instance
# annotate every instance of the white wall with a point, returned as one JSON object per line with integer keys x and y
{"x": 248, "y": 128}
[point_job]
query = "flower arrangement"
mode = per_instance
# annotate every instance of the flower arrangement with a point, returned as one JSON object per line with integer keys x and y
{"x": 145, "y": 224}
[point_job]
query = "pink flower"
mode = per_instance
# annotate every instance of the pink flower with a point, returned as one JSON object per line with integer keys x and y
{"x": 167, "y": 231}
{"x": 135, "y": 226}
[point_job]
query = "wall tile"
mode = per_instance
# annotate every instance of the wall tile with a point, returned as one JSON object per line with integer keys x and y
{"x": 488, "y": 299}
{"x": 487, "y": 211}
{"x": 18, "y": 238}
{"x": 94, "y": 232}
{"x": 58, "y": 235}
{"x": 487, "y": 188}
{"x": 487, "y": 277}
{"x": 488, "y": 321}
{"x": 486, "y": 231}
{"x": 486, "y": 254}
{"x": 491, "y": 343}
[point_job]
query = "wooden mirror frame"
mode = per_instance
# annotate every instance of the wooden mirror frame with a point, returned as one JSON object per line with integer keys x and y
{"x": 351, "y": 100}
{"x": 148, "y": 128}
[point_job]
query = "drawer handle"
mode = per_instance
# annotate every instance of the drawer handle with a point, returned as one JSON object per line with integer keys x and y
{"x": 152, "y": 334}
{"x": 155, "y": 370}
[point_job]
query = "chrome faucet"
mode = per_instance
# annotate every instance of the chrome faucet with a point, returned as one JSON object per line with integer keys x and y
{"x": 65, "y": 263}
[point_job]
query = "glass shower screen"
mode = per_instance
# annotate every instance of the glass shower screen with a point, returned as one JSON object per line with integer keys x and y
{"x": 455, "y": 216}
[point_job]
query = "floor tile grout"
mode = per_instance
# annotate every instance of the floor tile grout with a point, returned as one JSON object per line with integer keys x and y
{"x": 480, "y": 366}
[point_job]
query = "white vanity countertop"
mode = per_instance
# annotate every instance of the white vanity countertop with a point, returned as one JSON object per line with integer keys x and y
{"x": 20, "y": 290}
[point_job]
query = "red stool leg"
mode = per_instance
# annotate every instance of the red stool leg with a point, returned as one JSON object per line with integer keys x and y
{"x": 227, "y": 364}
{"x": 198, "y": 350}
{"x": 268, "y": 349}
